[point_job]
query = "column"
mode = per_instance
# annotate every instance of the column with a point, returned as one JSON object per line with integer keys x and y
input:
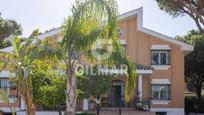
{"x": 140, "y": 85}
{"x": 22, "y": 105}
{"x": 85, "y": 104}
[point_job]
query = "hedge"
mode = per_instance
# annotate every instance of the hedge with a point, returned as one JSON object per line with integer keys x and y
{"x": 194, "y": 105}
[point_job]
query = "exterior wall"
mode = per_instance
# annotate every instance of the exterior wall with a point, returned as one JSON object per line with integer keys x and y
{"x": 170, "y": 111}
{"x": 146, "y": 86}
{"x": 139, "y": 50}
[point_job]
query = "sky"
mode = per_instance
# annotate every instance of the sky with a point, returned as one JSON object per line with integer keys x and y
{"x": 48, "y": 14}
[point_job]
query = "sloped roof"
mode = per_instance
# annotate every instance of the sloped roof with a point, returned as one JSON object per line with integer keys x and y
{"x": 137, "y": 12}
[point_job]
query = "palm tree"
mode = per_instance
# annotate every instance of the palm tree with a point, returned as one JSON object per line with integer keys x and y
{"x": 20, "y": 63}
{"x": 80, "y": 31}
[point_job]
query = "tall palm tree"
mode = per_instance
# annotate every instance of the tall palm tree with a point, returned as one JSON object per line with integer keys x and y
{"x": 91, "y": 20}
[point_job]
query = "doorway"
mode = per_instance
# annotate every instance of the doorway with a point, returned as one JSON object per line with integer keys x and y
{"x": 116, "y": 97}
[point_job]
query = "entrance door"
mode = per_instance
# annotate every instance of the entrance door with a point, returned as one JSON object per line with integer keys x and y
{"x": 116, "y": 96}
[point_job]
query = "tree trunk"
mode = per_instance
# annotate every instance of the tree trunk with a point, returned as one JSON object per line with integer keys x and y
{"x": 71, "y": 93}
{"x": 26, "y": 93}
{"x": 30, "y": 109}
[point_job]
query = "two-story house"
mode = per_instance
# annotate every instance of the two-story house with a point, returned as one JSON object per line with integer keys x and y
{"x": 159, "y": 60}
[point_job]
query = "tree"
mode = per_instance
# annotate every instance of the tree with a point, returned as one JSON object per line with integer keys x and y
{"x": 20, "y": 63}
{"x": 194, "y": 67}
{"x": 24, "y": 55}
{"x": 48, "y": 87}
{"x": 80, "y": 31}
{"x": 192, "y": 8}
{"x": 194, "y": 61}
{"x": 8, "y": 28}
{"x": 92, "y": 86}
{"x": 191, "y": 38}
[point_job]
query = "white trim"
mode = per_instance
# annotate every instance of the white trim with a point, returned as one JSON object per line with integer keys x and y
{"x": 22, "y": 104}
{"x": 85, "y": 105}
{"x": 160, "y": 47}
{"x": 7, "y": 49}
{"x": 8, "y": 110}
{"x": 160, "y": 67}
{"x": 130, "y": 13}
{"x": 160, "y": 81}
{"x": 121, "y": 72}
{"x": 170, "y": 111}
{"x": 140, "y": 85}
{"x": 4, "y": 74}
{"x": 160, "y": 102}
{"x": 144, "y": 71}
{"x": 139, "y": 13}
{"x": 50, "y": 33}
{"x": 184, "y": 46}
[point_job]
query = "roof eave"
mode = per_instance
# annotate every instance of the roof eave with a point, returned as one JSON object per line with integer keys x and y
{"x": 139, "y": 13}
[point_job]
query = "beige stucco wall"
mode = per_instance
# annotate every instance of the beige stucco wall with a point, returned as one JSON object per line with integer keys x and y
{"x": 139, "y": 50}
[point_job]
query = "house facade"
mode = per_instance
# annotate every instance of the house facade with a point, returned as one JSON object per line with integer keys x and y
{"x": 159, "y": 61}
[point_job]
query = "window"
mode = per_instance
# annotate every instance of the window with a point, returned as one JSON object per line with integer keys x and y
{"x": 4, "y": 83}
{"x": 160, "y": 57}
{"x": 9, "y": 87}
{"x": 161, "y": 92}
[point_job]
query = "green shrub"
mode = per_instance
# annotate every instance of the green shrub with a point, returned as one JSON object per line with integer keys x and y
{"x": 193, "y": 104}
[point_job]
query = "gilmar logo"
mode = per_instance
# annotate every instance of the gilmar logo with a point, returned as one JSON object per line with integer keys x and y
{"x": 102, "y": 49}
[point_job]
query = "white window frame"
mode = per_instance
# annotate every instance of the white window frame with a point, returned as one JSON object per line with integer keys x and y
{"x": 167, "y": 52}
{"x": 169, "y": 92}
